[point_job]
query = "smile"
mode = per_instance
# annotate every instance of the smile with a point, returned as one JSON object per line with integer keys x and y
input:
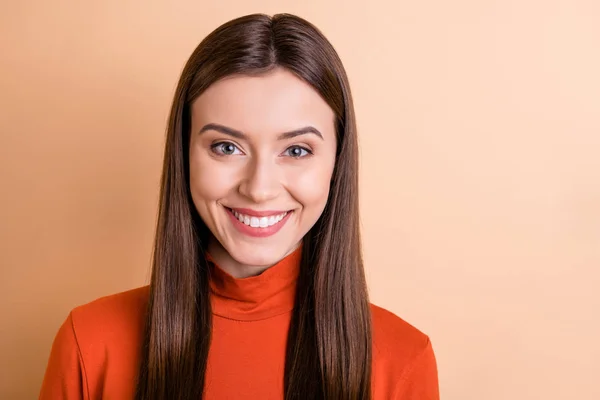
{"x": 255, "y": 223}
{"x": 259, "y": 222}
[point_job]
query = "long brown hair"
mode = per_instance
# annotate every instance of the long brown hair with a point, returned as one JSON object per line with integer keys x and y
{"x": 328, "y": 353}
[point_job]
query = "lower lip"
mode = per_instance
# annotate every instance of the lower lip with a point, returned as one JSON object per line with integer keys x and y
{"x": 258, "y": 232}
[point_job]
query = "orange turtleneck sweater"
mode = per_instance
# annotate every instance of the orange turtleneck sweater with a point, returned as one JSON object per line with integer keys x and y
{"x": 96, "y": 351}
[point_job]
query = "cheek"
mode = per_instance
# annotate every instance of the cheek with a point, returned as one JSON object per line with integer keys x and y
{"x": 208, "y": 182}
{"x": 310, "y": 187}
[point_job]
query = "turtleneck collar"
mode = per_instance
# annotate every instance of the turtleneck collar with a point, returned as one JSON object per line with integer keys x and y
{"x": 257, "y": 297}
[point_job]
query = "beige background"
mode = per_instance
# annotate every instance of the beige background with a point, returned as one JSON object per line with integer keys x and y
{"x": 480, "y": 132}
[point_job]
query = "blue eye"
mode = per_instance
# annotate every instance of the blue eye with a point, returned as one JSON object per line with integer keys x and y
{"x": 225, "y": 149}
{"x": 297, "y": 151}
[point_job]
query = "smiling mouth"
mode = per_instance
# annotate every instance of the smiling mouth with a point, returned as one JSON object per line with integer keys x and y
{"x": 256, "y": 221}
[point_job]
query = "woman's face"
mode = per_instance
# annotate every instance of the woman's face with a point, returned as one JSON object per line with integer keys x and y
{"x": 262, "y": 153}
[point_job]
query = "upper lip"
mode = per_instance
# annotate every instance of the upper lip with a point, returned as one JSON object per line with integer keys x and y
{"x": 257, "y": 213}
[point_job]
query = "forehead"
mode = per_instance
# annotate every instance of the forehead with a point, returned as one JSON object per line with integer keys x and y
{"x": 267, "y": 104}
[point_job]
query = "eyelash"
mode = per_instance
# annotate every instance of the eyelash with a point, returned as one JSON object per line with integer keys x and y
{"x": 215, "y": 146}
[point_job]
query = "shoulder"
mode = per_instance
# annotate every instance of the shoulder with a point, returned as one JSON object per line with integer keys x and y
{"x": 123, "y": 302}
{"x": 392, "y": 333}
{"x": 97, "y": 347}
{"x": 111, "y": 320}
{"x": 112, "y": 310}
{"x": 401, "y": 353}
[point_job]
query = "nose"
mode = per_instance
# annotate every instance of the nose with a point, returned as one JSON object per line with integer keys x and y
{"x": 261, "y": 182}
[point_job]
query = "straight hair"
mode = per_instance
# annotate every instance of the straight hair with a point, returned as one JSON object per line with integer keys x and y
{"x": 328, "y": 354}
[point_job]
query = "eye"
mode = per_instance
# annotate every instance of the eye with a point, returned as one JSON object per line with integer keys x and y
{"x": 297, "y": 151}
{"x": 225, "y": 149}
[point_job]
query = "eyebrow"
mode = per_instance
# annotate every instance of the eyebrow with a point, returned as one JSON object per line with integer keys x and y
{"x": 240, "y": 135}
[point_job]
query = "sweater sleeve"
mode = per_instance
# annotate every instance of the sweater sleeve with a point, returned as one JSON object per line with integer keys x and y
{"x": 420, "y": 382}
{"x": 65, "y": 374}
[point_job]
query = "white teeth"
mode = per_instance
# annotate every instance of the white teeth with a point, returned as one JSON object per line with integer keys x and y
{"x": 258, "y": 222}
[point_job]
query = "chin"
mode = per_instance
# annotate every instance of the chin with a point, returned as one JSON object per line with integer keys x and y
{"x": 259, "y": 256}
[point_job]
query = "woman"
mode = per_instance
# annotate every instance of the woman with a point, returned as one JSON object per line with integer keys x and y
{"x": 258, "y": 289}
